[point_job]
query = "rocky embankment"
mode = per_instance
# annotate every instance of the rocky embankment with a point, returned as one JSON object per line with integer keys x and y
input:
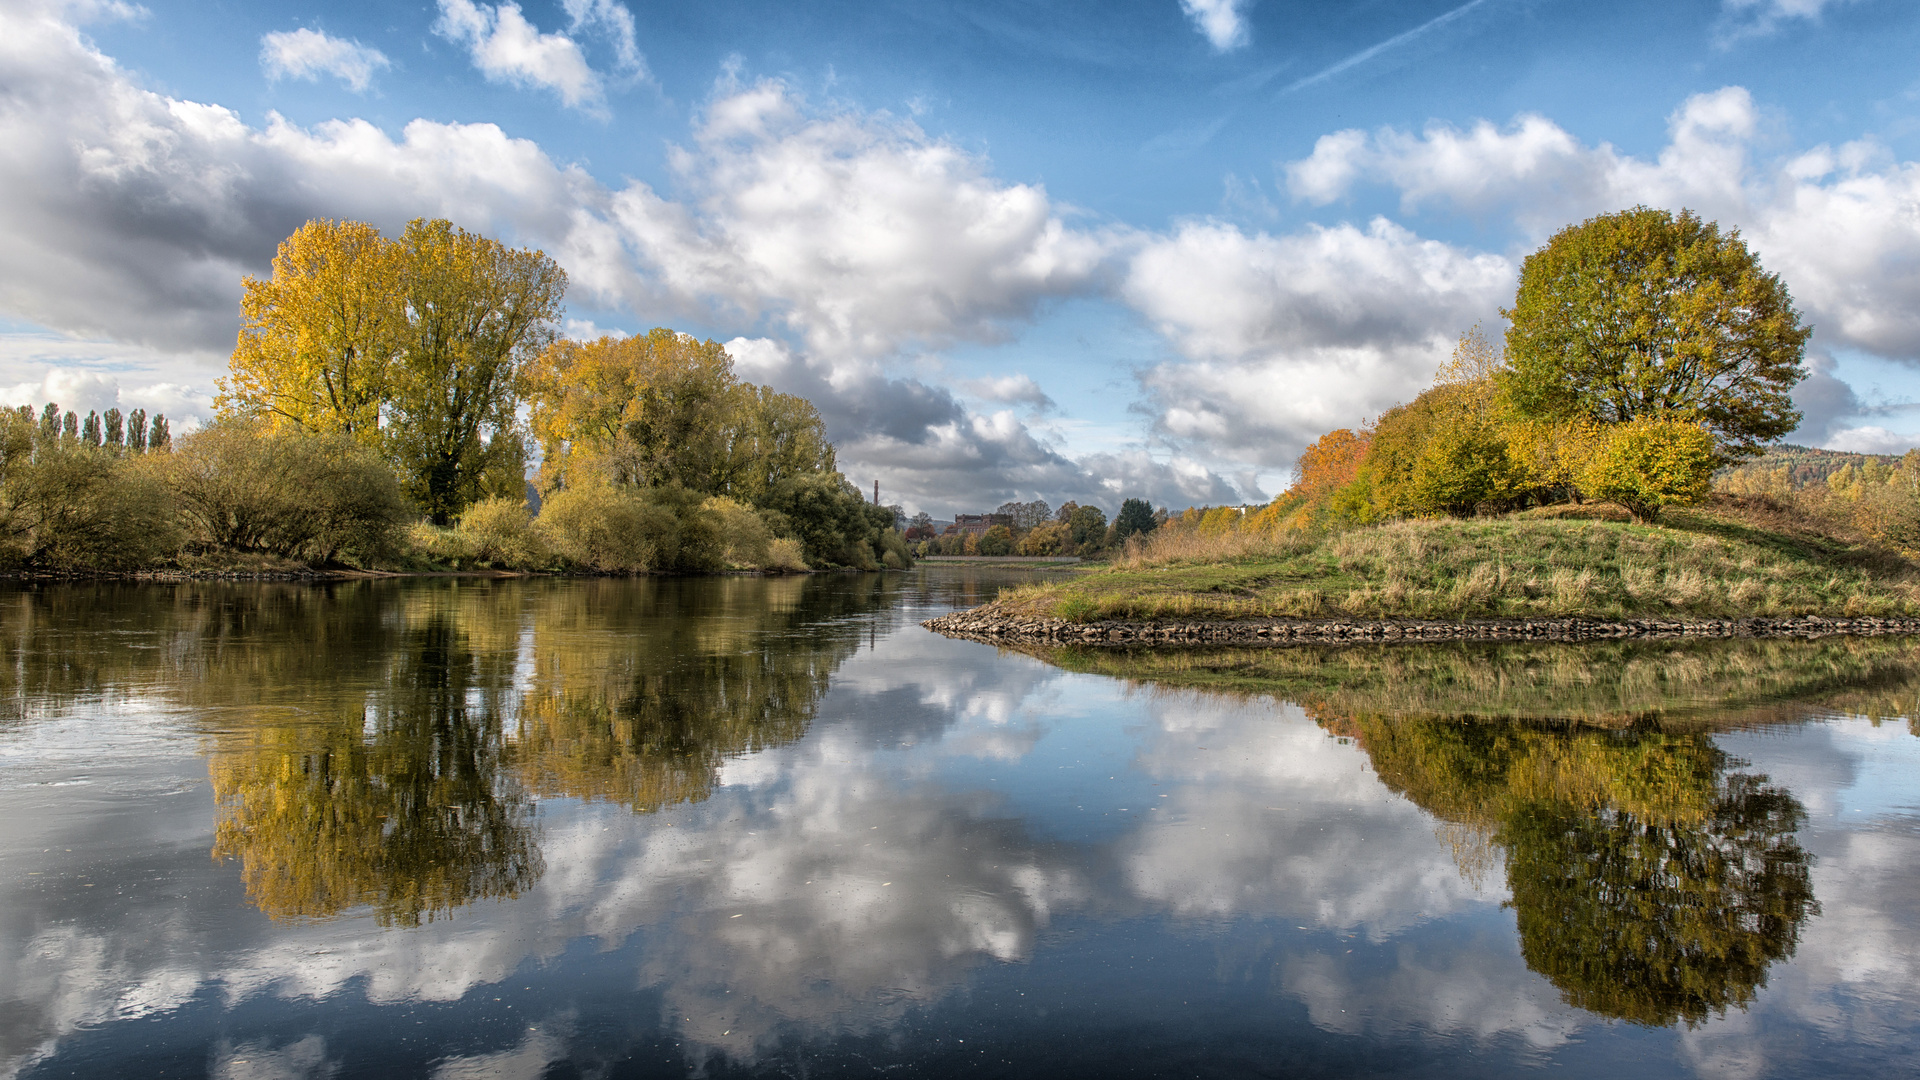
{"x": 981, "y": 624}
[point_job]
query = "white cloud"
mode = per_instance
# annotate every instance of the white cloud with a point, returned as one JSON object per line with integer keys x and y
{"x": 588, "y": 330}
{"x": 930, "y": 452}
{"x": 507, "y": 48}
{"x": 1221, "y": 22}
{"x": 309, "y": 54}
{"x": 613, "y": 19}
{"x": 1835, "y": 222}
{"x": 1285, "y": 337}
{"x": 1757, "y": 18}
{"x": 79, "y": 390}
{"x": 1871, "y": 439}
{"x": 858, "y": 232}
{"x": 1010, "y": 389}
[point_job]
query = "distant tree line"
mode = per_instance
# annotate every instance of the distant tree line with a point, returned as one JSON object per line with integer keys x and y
{"x": 383, "y": 402}
{"x": 1036, "y": 528}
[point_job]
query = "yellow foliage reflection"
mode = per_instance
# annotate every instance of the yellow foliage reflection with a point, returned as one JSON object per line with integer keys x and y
{"x": 404, "y": 809}
{"x": 634, "y": 705}
{"x": 1650, "y": 883}
{"x": 1651, "y": 880}
{"x": 399, "y": 737}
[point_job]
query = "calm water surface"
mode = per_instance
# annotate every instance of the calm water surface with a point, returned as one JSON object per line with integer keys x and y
{"x": 774, "y": 827}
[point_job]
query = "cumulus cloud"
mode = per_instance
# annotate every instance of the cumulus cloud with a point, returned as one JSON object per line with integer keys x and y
{"x": 1011, "y": 389}
{"x": 929, "y": 451}
{"x": 1285, "y": 337}
{"x": 133, "y": 216}
{"x": 1835, "y": 222}
{"x": 80, "y": 390}
{"x": 1871, "y": 439}
{"x": 309, "y": 54}
{"x": 509, "y": 49}
{"x": 1825, "y": 402}
{"x": 858, "y": 232}
{"x": 1221, "y": 22}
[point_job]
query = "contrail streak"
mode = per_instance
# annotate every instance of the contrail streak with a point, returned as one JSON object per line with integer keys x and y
{"x": 1369, "y": 53}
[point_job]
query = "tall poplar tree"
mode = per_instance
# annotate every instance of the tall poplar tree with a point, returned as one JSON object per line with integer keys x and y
{"x": 475, "y": 312}
{"x": 319, "y": 336}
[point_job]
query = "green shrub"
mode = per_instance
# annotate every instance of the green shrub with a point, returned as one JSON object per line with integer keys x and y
{"x": 997, "y": 541}
{"x": 1087, "y": 527}
{"x": 1647, "y": 464}
{"x": 499, "y": 531}
{"x": 744, "y": 536}
{"x": 439, "y": 543}
{"x": 241, "y": 486}
{"x": 67, "y": 505}
{"x": 1045, "y": 539}
{"x": 834, "y": 523}
{"x": 1439, "y": 454}
{"x": 608, "y": 529}
{"x": 784, "y": 555}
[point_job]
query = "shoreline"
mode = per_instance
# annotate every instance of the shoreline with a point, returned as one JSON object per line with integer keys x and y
{"x": 973, "y": 625}
{"x": 314, "y": 576}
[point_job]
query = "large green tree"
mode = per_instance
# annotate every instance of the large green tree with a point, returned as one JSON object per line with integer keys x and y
{"x": 1644, "y": 313}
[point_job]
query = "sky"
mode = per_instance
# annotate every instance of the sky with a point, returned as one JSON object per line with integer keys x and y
{"x": 1066, "y": 250}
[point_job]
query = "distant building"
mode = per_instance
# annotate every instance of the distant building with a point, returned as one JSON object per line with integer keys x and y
{"x": 976, "y": 524}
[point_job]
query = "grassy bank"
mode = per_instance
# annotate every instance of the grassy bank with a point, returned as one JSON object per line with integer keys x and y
{"x": 1731, "y": 559}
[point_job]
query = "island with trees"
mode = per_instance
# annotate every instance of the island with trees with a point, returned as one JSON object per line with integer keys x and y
{"x": 384, "y": 402}
{"x": 1607, "y": 473}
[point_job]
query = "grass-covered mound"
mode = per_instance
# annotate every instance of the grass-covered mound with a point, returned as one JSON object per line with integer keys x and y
{"x": 1729, "y": 560}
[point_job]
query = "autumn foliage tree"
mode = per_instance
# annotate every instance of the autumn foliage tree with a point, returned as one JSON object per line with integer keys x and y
{"x": 319, "y": 336}
{"x": 414, "y": 346}
{"x": 666, "y": 408}
{"x": 1644, "y": 313}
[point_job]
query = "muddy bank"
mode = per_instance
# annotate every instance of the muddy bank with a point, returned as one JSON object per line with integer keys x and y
{"x": 987, "y": 626}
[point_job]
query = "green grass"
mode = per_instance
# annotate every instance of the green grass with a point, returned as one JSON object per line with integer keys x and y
{"x": 1707, "y": 563}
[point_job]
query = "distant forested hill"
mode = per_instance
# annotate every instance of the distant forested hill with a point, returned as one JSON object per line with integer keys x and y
{"x": 1805, "y": 464}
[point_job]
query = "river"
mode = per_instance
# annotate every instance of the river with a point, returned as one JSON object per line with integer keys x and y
{"x": 460, "y": 828}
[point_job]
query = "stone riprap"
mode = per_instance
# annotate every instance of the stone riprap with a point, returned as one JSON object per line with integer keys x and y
{"x": 989, "y": 626}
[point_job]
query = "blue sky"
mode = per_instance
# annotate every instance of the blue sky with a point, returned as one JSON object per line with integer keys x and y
{"x": 1069, "y": 250}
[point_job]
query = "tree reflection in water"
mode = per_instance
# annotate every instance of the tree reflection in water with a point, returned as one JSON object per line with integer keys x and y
{"x": 1651, "y": 880}
{"x": 1659, "y": 921}
{"x": 649, "y": 721}
{"x": 406, "y": 808}
{"x": 402, "y": 736}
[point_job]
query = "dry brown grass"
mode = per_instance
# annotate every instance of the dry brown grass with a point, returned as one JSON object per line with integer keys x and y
{"x": 1703, "y": 564}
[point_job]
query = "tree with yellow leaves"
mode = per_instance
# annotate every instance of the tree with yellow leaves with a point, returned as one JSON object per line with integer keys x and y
{"x": 475, "y": 312}
{"x": 412, "y": 345}
{"x": 664, "y": 409}
{"x": 318, "y": 337}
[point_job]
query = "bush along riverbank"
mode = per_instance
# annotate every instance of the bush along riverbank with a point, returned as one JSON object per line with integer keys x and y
{"x": 241, "y": 499}
{"x": 1732, "y": 568}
